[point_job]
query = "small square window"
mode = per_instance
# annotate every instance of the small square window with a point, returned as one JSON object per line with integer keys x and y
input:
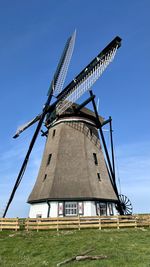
{"x": 95, "y": 158}
{"x": 91, "y": 132}
{"x": 45, "y": 176}
{"x": 49, "y": 159}
{"x": 98, "y": 176}
{"x": 54, "y": 131}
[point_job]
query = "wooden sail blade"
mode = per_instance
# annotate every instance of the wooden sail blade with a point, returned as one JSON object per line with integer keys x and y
{"x": 57, "y": 83}
{"x": 88, "y": 76}
{"x": 26, "y": 125}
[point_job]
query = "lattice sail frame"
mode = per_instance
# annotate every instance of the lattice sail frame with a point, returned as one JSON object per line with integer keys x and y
{"x": 62, "y": 76}
{"x": 87, "y": 82}
{"x": 57, "y": 83}
{"x": 59, "y": 77}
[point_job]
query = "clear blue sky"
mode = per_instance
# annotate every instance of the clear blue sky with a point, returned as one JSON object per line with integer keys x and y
{"x": 32, "y": 36}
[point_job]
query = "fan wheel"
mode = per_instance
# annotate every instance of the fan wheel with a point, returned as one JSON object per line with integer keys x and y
{"x": 126, "y": 204}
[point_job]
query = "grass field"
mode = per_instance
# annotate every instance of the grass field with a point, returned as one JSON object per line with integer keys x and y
{"x": 125, "y": 247}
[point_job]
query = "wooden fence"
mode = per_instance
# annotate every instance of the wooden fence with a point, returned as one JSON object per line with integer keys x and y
{"x": 81, "y": 222}
{"x": 9, "y": 224}
{"x": 92, "y": 222}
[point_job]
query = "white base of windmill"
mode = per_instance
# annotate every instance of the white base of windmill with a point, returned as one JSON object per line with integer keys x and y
{"x": 71, "y": 208}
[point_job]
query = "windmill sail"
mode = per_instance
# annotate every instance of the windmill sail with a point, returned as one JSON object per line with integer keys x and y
{"x": 26, "y": 125}
{"x": 87, "y": 77}
{"x": 57, "y": 83}
{"x": 58, "y": 79}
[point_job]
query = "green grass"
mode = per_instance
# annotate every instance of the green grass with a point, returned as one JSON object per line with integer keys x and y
{"x": 125, "y": 247}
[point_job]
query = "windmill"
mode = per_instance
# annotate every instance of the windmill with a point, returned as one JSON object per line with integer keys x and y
{"x": 60, "y": 186}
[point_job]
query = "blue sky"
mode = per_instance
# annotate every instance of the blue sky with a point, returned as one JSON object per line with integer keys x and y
{"x": 32, "y": 36}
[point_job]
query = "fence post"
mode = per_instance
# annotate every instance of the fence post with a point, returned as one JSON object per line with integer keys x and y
{"x": 100, "y": 227}
{"x": 79, "y": 222}
{"x": 118, "y": 222}
{"x": 1, "y": 224}
{"x": 37, "y": 222}
{"x": 26, "y": 224}
{"x": 16, "y": 224}
{"x": 135, "y": 217}
{"x": 57, "y": 224}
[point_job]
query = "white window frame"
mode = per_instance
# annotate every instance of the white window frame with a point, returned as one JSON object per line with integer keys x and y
{"x": 71, "y": 208}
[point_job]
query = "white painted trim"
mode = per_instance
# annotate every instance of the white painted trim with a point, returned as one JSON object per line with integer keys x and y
{"x": 89, "y": 209}
{"x": 72, "y": 119}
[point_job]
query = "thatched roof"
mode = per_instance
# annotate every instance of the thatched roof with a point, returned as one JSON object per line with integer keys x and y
{"x": 72, "y": 173}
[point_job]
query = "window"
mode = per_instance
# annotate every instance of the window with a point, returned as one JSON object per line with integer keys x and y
{"x": 98, "y": 176}
{"x": 70, "y": 208}
{"x": 91, "y": 133}
{"x": 45, "y": 177}
{"x": 95, "y": 158}
{"x": 54, "y": 131}
{"x": 49, "y": 159}
{"x": 103, "y": 209}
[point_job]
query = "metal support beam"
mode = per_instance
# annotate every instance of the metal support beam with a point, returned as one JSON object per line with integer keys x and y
{"x": 84, "y": 103}
{"x": 112, "y": 148}
{"x": 44, "y": 133}
{"x": 106, "y": 153}
{"x": 105, "y": 122}
{"x": 25, "y": 162}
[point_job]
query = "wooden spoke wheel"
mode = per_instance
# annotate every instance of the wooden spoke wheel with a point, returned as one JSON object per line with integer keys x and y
{"x": 126, "y": 204}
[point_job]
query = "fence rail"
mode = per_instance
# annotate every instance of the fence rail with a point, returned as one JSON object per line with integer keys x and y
{"x": 81, "y": 222}
{"x": 9, "y": 224}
